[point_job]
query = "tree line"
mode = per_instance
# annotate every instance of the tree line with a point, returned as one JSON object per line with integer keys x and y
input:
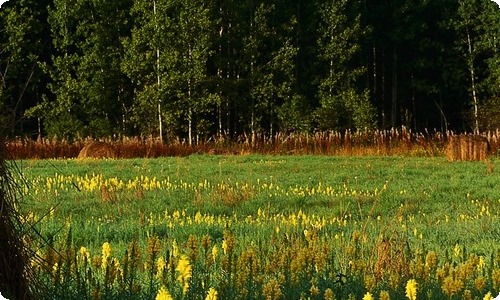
{"x": 195, "y": 69}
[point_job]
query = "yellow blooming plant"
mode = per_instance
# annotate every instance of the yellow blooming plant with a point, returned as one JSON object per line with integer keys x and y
{"x": 411, "y": 289}
{"x": 215, "y": 252}
{"x": 84, "y": 255}
{"x": 106, "y": 253}
{"x": 212, "y": 294}
{"x": 329, "y": 295}
{"x": 160, "y": 267}
{"x": 368, "y": 296}
{"x": 184, "y": 270}
{"x": 163, "y": 294}
{"x": 384, "y": 295}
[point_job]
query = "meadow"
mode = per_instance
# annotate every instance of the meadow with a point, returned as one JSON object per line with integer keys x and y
{"x": 264, "y": 227}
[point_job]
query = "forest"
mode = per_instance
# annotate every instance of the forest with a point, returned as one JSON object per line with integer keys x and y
{"x": 198, "y": 69}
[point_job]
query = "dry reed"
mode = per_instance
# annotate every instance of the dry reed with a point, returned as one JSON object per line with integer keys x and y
{"x": 467, "y": 147}
{"x": 399, "y": 141}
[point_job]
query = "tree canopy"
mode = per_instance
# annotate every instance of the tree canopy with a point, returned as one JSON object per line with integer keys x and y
{"x": 198, "y": 69}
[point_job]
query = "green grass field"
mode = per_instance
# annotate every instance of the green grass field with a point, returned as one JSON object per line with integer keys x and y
{"x": 375, "y": 218}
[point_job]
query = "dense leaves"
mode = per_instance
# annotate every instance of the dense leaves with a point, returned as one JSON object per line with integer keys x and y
{"x": 198, "y": 69}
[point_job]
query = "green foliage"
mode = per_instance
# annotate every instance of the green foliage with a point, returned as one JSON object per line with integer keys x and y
{"x": 478, "y": 27}
{"x": 24, "y": 44}
{"x": 489, "y": 114}
{"x": 343, "y": 103}
{"x": 87, "y": 83}
{"x": 195, "y": 69}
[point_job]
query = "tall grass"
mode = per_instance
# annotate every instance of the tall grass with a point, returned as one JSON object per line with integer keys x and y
{"x": 17, "y": 279}
{"x": 265, "y": 227}
{"x": 379, "y": 142}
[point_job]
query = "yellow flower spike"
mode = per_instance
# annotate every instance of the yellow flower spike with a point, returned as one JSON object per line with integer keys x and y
{"x": 456, "y": 250}
{"x": 368, "y": 296}
{"x": 488, "y": 296}
{"x": 224, "y": 247}
{"x": 481, "y": 264}
{"x": 384, "y": 295}
{"x": 163, "y": 294}
{"x": 314, "y": 290}
{"x": 215, "y": 252}
{"x": 184, "y": 269}
{"x": 329, "y": 295}
{"x": 451, "y": 286}
{"x": 467, "y": 295}
{"x": 495, "y": 276}
{"x": 160, "y": 267}
{"x": 106, "y": 253}
{"x": 272, "y": 290}
{"x": 84, "y": 255}
{"x": 307, "y": 234}
{"x": 411, "y": 289}
{"x": 431, "y": 259}
{"x": 212, "y": 294}
{"x": 198, "y": 217}
{"x": 175, "y": 249}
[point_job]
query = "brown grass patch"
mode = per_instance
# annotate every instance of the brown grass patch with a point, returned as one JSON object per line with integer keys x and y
{"x": 396, "y": 141}
{"x": 96, "y": 149}
{"x": 467, "y": 147}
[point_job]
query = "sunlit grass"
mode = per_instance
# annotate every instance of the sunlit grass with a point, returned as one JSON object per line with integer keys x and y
{"x": 265, "y": 227}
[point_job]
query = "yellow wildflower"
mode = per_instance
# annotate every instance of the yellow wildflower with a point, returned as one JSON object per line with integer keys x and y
{"x": 314, "y": 290}
{"x": 228, "y": 243}
{"x": 106, "y": 253}
{"x": 411, "y": 289}
{"x": 160, "y": 266}
{"x": 175, "y": 249}
{"x": 224, "y": 247}
{"x": 481, "y": 264}
{"x": 307, "y": 234}
{"x": 368, "y": 296}
{"x": 212, "y": 294}
{"x": 329, "y": 295}
{"x": 84, "y": 254}
{"x": 198, "y": 217}
{"x": 55, "y": 269}
{"x": 384, "y": 295}
{"x": 431, "y": 259}
{"x": 467, "y": 295}
{"x": 184, "y": 269}
{"x": 272, "y": 290}
{"x": 163, "y": 294}
{"x": 451, "y": 286}
{"x": 370, "y": 281}
{"x": 488, "y": 296}
{"x": 495, "y": 276}
{"x": 215, "y": 252}
{"x": 456, "y": 250}
{"x": 479, "y": 283}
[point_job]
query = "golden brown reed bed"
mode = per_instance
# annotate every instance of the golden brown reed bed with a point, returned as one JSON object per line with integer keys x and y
{"x": 467, "y": 147}
{"x": 400, "y": 141}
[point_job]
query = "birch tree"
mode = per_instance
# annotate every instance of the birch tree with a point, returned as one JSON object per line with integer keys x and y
{"x": 343, "y": 103}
